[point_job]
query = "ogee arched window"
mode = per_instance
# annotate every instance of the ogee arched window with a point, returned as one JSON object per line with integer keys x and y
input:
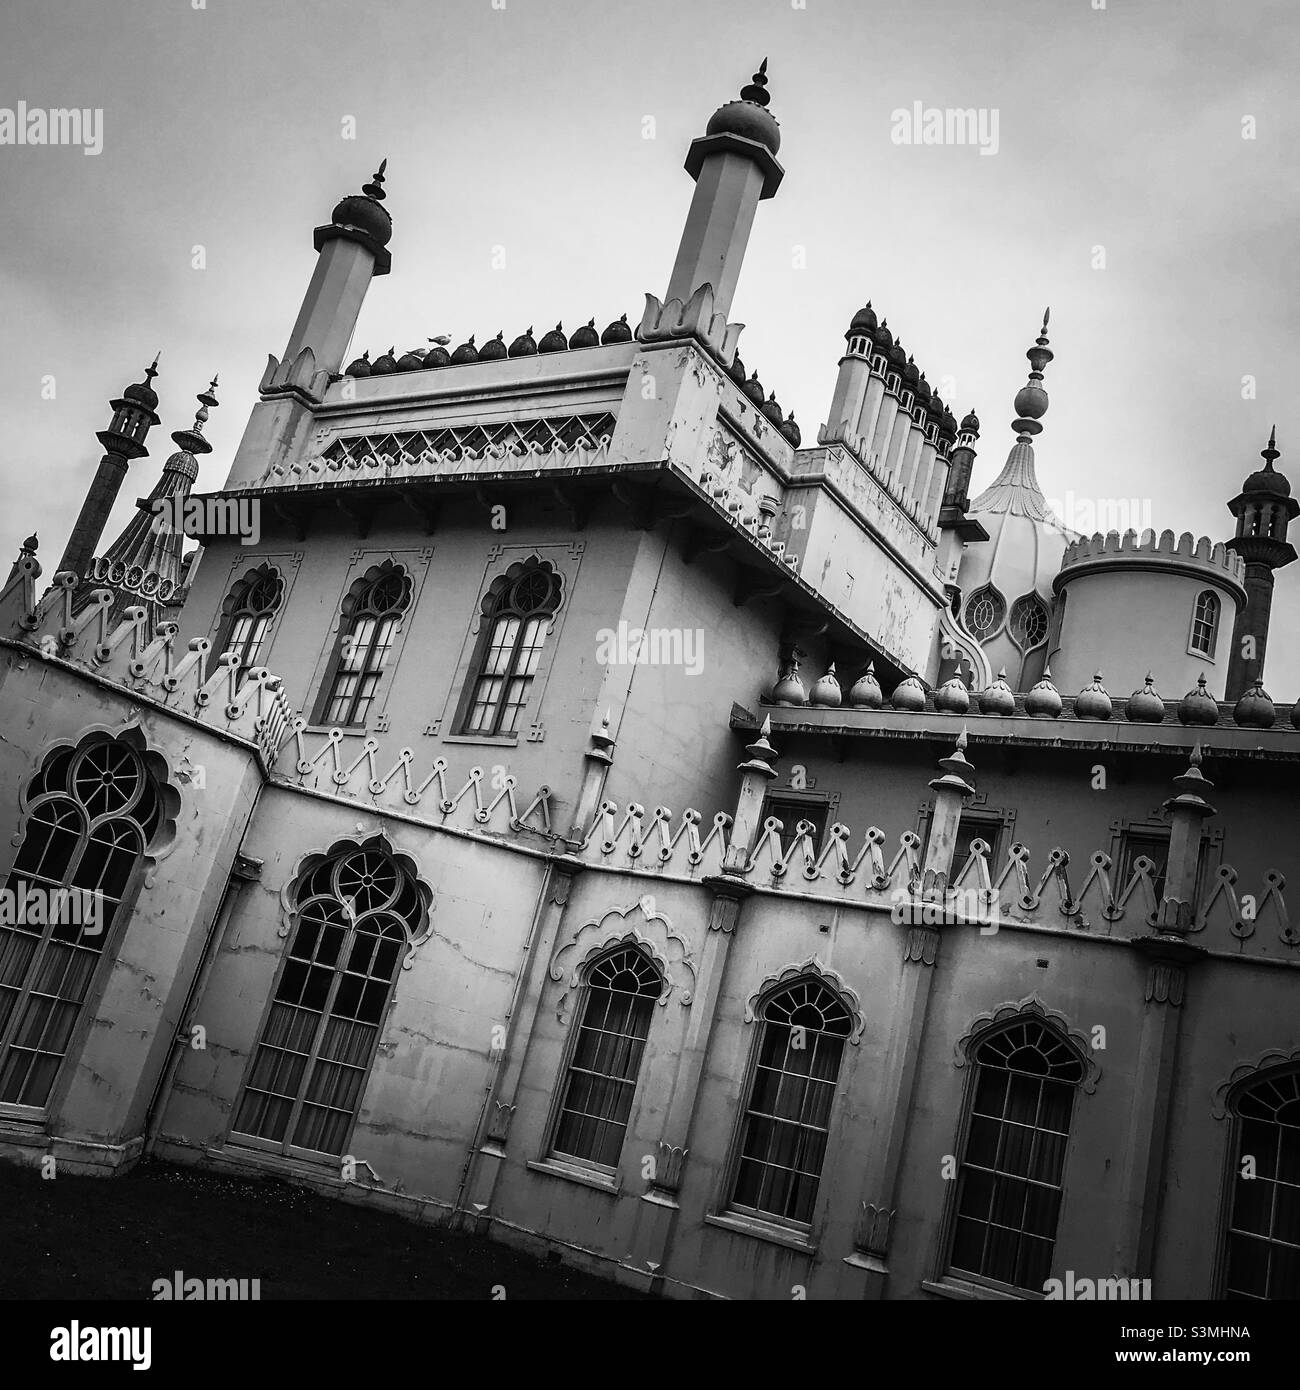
{"x": 517, "y": 615}
{"x": 1205, "y": 623}
{"x": 249, "y": 610}
{"x": 371, "y": 614}
{"x": 1009, "y": 1180}
{"x": 91, "y": 812}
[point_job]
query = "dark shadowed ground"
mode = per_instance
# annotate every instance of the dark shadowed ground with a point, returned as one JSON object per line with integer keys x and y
{"x": 78, "y": 1237}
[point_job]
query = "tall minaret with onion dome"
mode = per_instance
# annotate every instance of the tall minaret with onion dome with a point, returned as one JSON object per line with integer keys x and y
{"x": 353, "y": 249}
{"x": 144, "y": 565}
{"x": 1264, "y": 508}
{"x": 734, "y": 166}
{"x": 134, "y": 414}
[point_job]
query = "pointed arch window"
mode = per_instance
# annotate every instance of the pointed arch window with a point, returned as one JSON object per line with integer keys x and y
{"x": 372, "y": 612}
{"x": 518, "y": 610}
{"x": 1030, "y": 620}
{"x": 1017, "y": 1128}
{"x": 355, "y": 916}
{"x": 600, "y": 1078}
{"x": 91, "y": 813}
{"x": 1205, "y": 624}
{"x": 781, "y": 1145}
{"x": 986, "y": 611}
{"x": 248, "y": 613}
{"x": 1261, "y": 1255}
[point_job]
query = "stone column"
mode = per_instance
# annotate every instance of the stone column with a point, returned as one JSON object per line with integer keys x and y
{"x": 1168, "y": 956}
{"x": 908, "y": 1014}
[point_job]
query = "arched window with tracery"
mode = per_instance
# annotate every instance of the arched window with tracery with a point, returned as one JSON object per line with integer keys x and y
{"x": 1261, "y": 1246}
{"x": 247, "y": 614}
{"x": 599, "y": 1079}
{"x": 1030, "y": 620}
{"x": 1205, "y": 623}
{"x": 1009, "y": 1180}
{"x": 356, "y": 914}
{"x": 781, "y": 1145}
{"x": 986, "y": 611}
{"x": 372, "y": 613}
{"x": 517, "y": 614}
{"x": 90, "y": 814}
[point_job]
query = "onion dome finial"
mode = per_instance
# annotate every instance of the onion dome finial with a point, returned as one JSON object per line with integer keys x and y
{"x": 756, "y": 90}
{"x": 375, "y": 188}
{"x": 1267, "y": 479}
{"x": 1198, "y": 706}
{"x": 618, "y": 332}
{"x": 466, "y": 352}
{"x": 772, "y": 409}
{"x": 1031, "y": 400}
{"x": 494, "y": 349}
{"x": 1093, "y": 701}
{"x": 1044, "y": 698}
{"x": 411, "y": 361}
{"x": 865, "y": 692}
{"x": 142, "y": 391}
{"x": 971, "y": 424}
{"x": 525, "y": 345}
{"x": 952, "y": 697}
{"x": 909, "y": 694}
{"x": 753, "y": 388}
{"x": 791, "y": 430}
{"x": 826, "y": 692}
{"x": 1255, "y": 710}
{"x": 554, "y": 341}
{"x": 586, "y": 336}
{"x": 385, "y": 364}
{"x": 360, "y": 366}
{"x": 998, "y": 698}
{"x": 1145, "y": 705}
{"x": 863, "y": 322}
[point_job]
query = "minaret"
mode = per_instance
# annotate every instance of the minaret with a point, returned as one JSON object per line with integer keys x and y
{"x": 123, "y": 440}
{"x": 353, "y": 249}
{"x": 1264, "y": 508}
{"x": 143, "y": 566}
{"x": 734, "y": 167}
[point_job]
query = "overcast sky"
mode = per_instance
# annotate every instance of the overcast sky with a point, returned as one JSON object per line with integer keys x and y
{"x": 522, "y": 126}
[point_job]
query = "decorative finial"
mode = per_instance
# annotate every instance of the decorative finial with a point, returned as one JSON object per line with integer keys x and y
{"x": 375, "y": 188}
{"x": 756, "y": 90}
{"x": 961, "y": 740}
{"x": 30, "y": 544}
{"x": 1272, "y": 452}
{"x": 151, "y": 370}
{"x": 207, "y": 401}
{"x": 1195, "y": 757}
{"x": 1047, "y": 314}
{"x": 767, "y": 727}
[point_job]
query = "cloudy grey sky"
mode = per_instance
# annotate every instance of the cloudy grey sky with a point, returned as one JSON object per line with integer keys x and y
{"x": 520, "y": 125}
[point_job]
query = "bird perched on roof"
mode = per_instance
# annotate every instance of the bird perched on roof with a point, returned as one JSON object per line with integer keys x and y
{"x": 442, "y": 339}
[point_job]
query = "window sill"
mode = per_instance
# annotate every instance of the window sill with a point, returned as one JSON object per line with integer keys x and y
{"x": 762, "y": 1230}
{"x": 950, "y": 1286}
{"x": 491, "y": 740}
{"x": 586, "y": 1177}
{"x": 348, "y": 731}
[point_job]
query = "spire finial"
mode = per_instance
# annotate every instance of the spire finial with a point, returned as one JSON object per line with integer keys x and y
{"x": 375, "y": 188}
{"x": 151, "y": 370}
{"x": 756, "y": 91}
{"x": 961, "y": 740}
{"x": 207, "y": 401}
{"x": 1272, "y": 452}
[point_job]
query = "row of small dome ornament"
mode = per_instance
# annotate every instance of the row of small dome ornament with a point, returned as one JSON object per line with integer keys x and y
{"x": 1043, "y": 700}
{"x": 752, "y": 389}
{"x": 525, "y": 345}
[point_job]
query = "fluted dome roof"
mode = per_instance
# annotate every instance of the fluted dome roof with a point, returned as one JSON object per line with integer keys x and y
{"x": 494, "y": 349}
{"x": 970, "y": 424}
{"x": 554, "y": 341}
{"x": 364, "y": 211}
{"x": 749, "y": 117}
{"x": 864, "y": 321}
{"x": 142, "y": 392}
{"x": 1265, "y": 479}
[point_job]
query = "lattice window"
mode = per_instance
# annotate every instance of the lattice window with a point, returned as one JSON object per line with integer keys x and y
{"x": 562, "y": 432}
{"x": 986, "y": 610}
{"x": 600, "y": 1079}
{"x": 91, "y": 814}
{"x": 519, "y": 613}
{"x": 371, "y": 614}
{"x": 1030, "y": 620}
{"x": 1262, "y": 1254}
{"x": 356, "y": 915}
{"x": 248, "y": 612}
{"x": 1205, "y": 623}
{"x": 786, "y": 1123}
{"x": 1009, "y": 1180}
